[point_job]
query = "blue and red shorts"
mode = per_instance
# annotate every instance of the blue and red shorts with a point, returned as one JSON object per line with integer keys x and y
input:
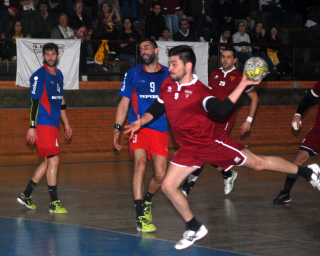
{"x": 47, "y": 140}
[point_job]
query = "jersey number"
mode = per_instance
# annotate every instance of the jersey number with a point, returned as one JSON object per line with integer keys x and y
{"x": 152, "y": 87}
{"x": 176, "y": 96}
{"x": 134, "y": 139}
{"x": 222, "y": 83}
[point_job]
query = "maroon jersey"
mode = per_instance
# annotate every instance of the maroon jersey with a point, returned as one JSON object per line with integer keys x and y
{"x": 184, "y": 104}
{"x": 223, "y": 84}
{"x": 316, "y": 93}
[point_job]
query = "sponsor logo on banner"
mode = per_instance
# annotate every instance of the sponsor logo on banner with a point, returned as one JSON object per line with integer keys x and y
{"x": 37, "y": 49}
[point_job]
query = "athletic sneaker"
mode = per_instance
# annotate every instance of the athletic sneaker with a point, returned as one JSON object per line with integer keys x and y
{"x": 186, "y": 187}
{"x": 282, "y": 198}
{"x": 315, "y": 177}
{"x": 56, "y": 207}
{"x": 189, "y": 237}
{"x": 228, "y": 183}
{"x": 147, "y": 210}
{"x": 27, "y": 202}
{"x": 144, "y": 225}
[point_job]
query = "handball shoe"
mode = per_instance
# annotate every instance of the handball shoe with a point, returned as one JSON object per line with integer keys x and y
{"x": 147, "y": 210}
{"x": 27, "y": 202}
{"x": 228, "y": 183}
{"x": 186, "y": 188}
{"x": 56, "y": 207}
{"x": 315, "y": 177}
{"x": 144, "y": 225}
{"x": 282, "y": 198}
{"x": 189, "y": 237}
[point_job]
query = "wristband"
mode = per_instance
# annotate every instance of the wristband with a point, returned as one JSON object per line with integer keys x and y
{"x": 249, "y": 119}
{"x": 297, "y": 114}
{"x": 63, "y": 107}
{"x": 117, "y": 126}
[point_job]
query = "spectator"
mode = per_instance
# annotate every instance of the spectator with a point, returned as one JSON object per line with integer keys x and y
{"x": 155, "y": 23}
{"x": 94, "y": 8}
{"x": 222, "y": 16}
{"x": 55, "y": 8}
{"x": 241, "y": 11}
{"x": 9, "y": 50}
{"x": 128, "y": 51}
{"x": 148, "y": 7}
{"x": 313, "y": 18}
{"x": 201, "y": 13}
{"x": 173, "y": 15}
{"x": 116, "y": 3}
{"x": 165, "y": 35}
{"x": 243, "y": 51}
{"x": 25, "y": 9}
{"x": 225, "y": 37}
{"x": 135, "y": 7}
{"x": 106, "y": 26}
{"x": 274, "y": 7}
{"x": 184, "y": 34}
{"x": 257, "y": 36}
{"x": 7, "y": 13}
{"x": 40, "y": 21}
{"x": 303, "y": 6}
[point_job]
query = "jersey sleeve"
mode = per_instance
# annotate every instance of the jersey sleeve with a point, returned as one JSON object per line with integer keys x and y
{"x": 160, "y": 96}
{"x": 127, "y": 85}
{"x": 316, "y": 90}
{"x": 37, "y": 81}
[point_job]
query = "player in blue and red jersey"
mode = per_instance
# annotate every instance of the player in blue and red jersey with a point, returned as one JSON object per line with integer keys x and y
{"x": 141, "y": 85}
{"x": 47, "y": 105}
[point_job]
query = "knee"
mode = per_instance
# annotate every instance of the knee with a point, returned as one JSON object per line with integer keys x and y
{"x": 258, "y": 164}
{"x": 165, "y": 187}
{"x": 140, "y": 165}
{"x": 159, "y": 176}
{"x": 54, "y": 161}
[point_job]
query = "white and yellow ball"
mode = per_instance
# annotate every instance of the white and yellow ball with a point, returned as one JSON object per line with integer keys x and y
{"x": 255, "y": 68}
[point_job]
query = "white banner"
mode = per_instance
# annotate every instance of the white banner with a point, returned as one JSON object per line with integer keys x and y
{"x": 29, "y": 59}
{"x": 201, "y": 51}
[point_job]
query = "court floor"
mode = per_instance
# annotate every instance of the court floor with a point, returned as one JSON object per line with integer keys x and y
{"x": 96, "y": 190}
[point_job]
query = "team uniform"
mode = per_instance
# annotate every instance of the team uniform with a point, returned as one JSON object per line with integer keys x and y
{"x": 200, "y": 139}
{"x": 48, "y": 89}
{"x": 143, "y": 89}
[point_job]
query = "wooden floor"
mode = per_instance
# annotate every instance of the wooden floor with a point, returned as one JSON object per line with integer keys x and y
{"x": 96, "y": 190}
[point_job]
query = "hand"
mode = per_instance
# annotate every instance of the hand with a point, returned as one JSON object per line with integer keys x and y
{"x": 190, "y": 18}
{"x": 131, "y": 39}
{"x": 228, "y": 19}
{"x": 135, "y": 126}
{"x": 31, "y": 135}
{"x": 263, "y": 32}
{"x": 179, "y": 13}
{"x": 209, "y": 20}
{"x": 87, "y": 38}
{"x": 116, "y": 135}
{"x": 245, "y": 127}
{"x": 270, "y": 50}
{"x": 114, "y": 8}
{"x": 12, "y": 12}
{"x": 68, "y": 131}
{"x": 296, "y": 122}
{"x": 245, "y": 80}
{"x": 29, "y": 36}
{"x": 45, "y": 15}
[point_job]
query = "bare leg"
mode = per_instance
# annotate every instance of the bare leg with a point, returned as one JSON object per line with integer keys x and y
{"x": 52, "y": 171}
{"x": 160, "y": 167}
{"x": 40, "y": 171}
{"x": 140, "y": 161}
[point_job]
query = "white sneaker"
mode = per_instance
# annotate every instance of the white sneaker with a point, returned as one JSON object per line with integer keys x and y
{"x": 189, "y": 237}
{"x": 202, "y": 40}
{"x": 228, "y": 183}
{"x": 183, "y": 191}
{"x": 315, "y": 177}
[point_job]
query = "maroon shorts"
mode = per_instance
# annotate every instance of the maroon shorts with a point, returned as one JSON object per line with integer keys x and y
{"x": 223, "y": 152}
{"x": 154, "y": 142}
{"x": 311, "y": 143}
{"x": 47, "y": 140}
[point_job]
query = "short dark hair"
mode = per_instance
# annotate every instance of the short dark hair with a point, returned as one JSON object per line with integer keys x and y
{"x": 46, "y": 2}
{"x": 239, "y": 23}
{"x": 183, "y": 20}
{"x": 50, "y": 46}
{"x": 152, "y": 42}
{"x": 225, "y": 28}
{"x": 230, "y": 49}
{"x": 166, "y": 28}
{"x": 185, "y": 53}
{"x": 62, "y": 14}
{"x": 156, "y": 3}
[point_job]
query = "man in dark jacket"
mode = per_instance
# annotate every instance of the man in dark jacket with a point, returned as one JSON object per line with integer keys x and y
{"x": 7, "y": 13}
{"x": 184, "y": 34}
{"x": 222, "y": 16}
{"x": 155, "y": 23}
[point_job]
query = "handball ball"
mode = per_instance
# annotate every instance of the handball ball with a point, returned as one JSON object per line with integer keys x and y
{"x": 255, "y": 68}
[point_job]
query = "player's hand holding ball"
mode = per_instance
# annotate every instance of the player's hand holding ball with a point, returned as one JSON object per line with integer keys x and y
{"x": 255, "y": 69}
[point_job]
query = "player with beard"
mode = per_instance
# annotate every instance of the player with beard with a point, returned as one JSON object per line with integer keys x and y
{"x": 141, "y": 85}
{"x": 47, "y": 105}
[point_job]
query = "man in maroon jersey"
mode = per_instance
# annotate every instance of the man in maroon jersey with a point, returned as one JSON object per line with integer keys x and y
{"x": 223, "y": 81}
{"x": 188, "y": 104}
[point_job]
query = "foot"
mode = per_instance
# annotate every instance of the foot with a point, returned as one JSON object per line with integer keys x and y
{"x": 147, "y": 210}
{"x": 27, "y": 202}
{"x": 189, "y": 237}
{"x": 282, "y": 198}
{"x": 144, "y": 225}
{"x": 228, "y": 183}
{"x": 186, "y": 187}
{"x": 315, "y": 177}
{"x": 56, "y": 207}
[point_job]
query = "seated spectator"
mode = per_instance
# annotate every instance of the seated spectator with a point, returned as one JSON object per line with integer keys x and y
{"x": 155, "y": 23}
{"x": 313, "y": 18}
{"x": 8, "y": 11}
{"x": 112, "y": 3}
{"x": 9, "y": 50}
{"x": 274, "y": 7}
{"x": 128, "y": 51}
{"x": 241, "y": 11}
{"x": 165, "y": 35}
{"x": 244, "y": 52}
{"x": 257, "y": 36}
{"x": 148, "y": 7}
{"x": 135, "y": 8}
{"x": 26, "y": 8}
{"x": 173, "y": 15}
{"x": 106, "y": 27}
{"x": 225, "y": 37}
{"x": 201, "y": 12}
{"x": 40, "y": 21}
{"x": 184, "y": 34}
{"x": 222, "y": 16}
{"x": 62, "y": 31}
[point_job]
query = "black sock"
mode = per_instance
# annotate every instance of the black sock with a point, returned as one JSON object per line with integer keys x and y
{"x": 193, "y": 224}
{"x": 226, "y": 174}
{"x": 305, "y": 172}
{"x": 148, "y": 196}
{"x": 53, "y": 193}
{"x": 139, "y": 207}
{"x": 31, "y": 185}
{"x": 289, "y": 184}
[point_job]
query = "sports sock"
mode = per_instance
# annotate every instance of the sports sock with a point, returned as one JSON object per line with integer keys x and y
{"x": 53, "y": 193}
{"x": 226, "y": 174}
{"x": 193, "y": 224}
{"x": 139, "y": 207}
{"x": 148, "y": 196}
{"x": 31, "y": 185}
{"x": 289, "y": 184}
{"x": 305, "y": 172}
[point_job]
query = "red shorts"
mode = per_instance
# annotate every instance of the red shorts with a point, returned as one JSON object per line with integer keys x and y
{"x": 223, "y": 152}
{"x": 311, "y": 143}
{"x": 154, "y": 142}
{"x": 47, "y": 140}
